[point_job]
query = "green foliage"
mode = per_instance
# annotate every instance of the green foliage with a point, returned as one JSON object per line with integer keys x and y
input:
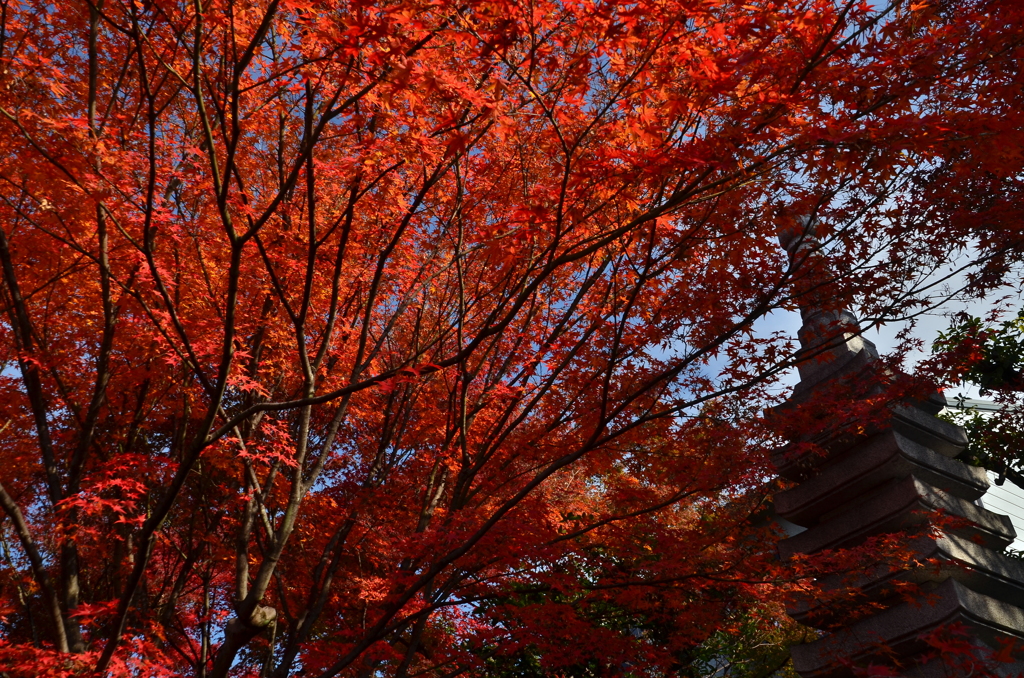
{"x": 750, "y": 643}
{"x": 754, "y": 650}
{"x": 995, "y": 442}
{"x": 989, "y": 357}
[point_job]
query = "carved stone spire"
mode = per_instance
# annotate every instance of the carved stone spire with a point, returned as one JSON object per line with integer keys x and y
{"x": 830, "y": 336}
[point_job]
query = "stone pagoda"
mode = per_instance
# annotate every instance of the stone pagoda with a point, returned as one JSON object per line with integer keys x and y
{"x": 898, "y": 473}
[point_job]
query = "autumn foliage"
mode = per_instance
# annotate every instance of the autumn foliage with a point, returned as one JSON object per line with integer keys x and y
{"x": 414, "y": 337}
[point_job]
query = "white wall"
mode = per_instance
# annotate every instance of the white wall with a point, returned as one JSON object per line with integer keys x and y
{"x": 1007, "y": 499}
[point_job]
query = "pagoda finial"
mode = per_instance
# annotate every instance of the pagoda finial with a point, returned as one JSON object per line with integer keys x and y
{"x": 830, "y": 335}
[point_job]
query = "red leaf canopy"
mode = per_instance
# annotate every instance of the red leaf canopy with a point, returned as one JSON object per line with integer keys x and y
{"x": 406, "y": 338}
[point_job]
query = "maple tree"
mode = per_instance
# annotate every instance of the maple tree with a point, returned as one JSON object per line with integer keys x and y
{"x": 404, "y": 338}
